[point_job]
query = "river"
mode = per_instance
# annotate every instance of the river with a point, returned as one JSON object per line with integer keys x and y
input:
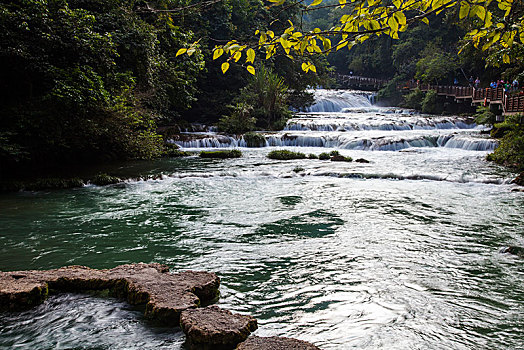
{"x": 402, "y": 252}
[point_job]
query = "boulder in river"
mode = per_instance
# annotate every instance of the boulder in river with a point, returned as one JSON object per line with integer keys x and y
{"x": 275, "y": 343}
{"x": 519, "y": 180}
{"x": 213, "y": 328}
{"x": 518, "y": 251}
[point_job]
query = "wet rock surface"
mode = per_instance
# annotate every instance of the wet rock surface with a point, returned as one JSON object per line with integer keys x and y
{"x": 514, "y": 250}
{"x": 215, "y": 328}
{"x": 275, "y": 343}
{"x": 165, "y": 295}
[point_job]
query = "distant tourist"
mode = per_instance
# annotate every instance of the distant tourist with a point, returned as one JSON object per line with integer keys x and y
{"x": 455, "y": 82}
{"x": 493, "y": 85}
{"x": 515, "y": 84}
{"x": 477, "y": 83}
{"x": 471, "y": 80}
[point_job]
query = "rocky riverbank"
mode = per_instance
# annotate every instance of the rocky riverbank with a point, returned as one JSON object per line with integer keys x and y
{"x": 171, "y": 298}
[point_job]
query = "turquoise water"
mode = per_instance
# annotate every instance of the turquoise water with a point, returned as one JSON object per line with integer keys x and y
{"x": 400, "y": 253}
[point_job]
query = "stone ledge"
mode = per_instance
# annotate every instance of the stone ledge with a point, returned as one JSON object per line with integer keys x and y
{"x": 275, "y": 343}
{"x": 165, "y": 295}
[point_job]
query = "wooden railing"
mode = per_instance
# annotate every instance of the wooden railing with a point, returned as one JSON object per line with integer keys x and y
{"x": 510, "y": 104}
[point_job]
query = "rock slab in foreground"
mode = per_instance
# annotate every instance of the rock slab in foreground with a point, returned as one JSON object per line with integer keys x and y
{"x": 275, "y": 343}
{"x": 165, "y": 295}
{"x": 213, "y": 328}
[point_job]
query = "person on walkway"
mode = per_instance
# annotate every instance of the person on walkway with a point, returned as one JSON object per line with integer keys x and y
{"x": 515, "y": 84}
{"x": 455, "y": 82}
{"x": 477, "y": 83}
{"x": 471, "y": 80}
{"x": 493, "y": 85}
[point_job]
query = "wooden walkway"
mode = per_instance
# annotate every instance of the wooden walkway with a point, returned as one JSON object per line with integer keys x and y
{"x": 356, "y": 81}
{"x": 476, "y": 96}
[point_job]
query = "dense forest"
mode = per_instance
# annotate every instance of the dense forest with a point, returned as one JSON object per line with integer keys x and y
{"x": 87, "y": 81}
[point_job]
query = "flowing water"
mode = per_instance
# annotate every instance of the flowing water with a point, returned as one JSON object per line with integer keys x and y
{"x": 402, "y": 252}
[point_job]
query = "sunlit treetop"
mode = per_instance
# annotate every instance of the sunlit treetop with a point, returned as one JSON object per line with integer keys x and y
{"x": 499, "y": 24}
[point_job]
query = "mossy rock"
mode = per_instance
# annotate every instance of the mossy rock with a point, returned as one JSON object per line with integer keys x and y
{"x": 362, "y": 160}
{"x": 324, "y": 156}
{"x": 340, "y": 158}
{"x": 105, "y": 179}
{"x": 312, "y": 156}
{"x": 221, "y": 154}
{"x": 254, "y": 139}
{"x": 172, "y": 150}
{"x": 53, "y": 184}
{"x": 334, "y": 153}
{"x": 285, "y": 155}
{"x": 298, "y": 169}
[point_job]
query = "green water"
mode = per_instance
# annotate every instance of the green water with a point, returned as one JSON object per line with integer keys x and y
{"x": 400, "y": 253}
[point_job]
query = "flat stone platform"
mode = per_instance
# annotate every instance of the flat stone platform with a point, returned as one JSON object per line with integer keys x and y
{"x": 172, "y": 298}
{"x": 165, "y": 295}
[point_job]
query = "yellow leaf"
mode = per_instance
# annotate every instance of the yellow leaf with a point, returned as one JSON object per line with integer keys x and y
{"x": 251, "y": 69}
{"x": 393, "y": 24}
{"x": 305, "y": 67}
{"x": 237, "y": 56}
{"x": 225, "y": 67}
{"x": 464, "y": 10}
{"x": 312, "y": 67}
{"x": 342, "y": 3}
{"x": 191, "y": 51}
{"x": 425, "y": 20}
{"x": 218, "y": 53}
{"x": 181, "y": 52}
{"x": 316, "y": 2}
{"x": 505, "y": 58}
{"x": 250, "y": 55}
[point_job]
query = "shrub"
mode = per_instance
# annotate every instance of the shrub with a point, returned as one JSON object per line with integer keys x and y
{"x": 254, "y": 140}
{"x": 429, "y": 103}
{"x": 323, "y": 156}
{"x": 414, "y": 99}
{"x": 312, "y": 156}
{"x": 221, "y": 154}
{"x": 105, "y": 179}
{"x": 334, "y": 153}
{"x": 298, "y": 169}
{"x": 285, "y": 155}
{"x": 240, "y": 120}
{"x": 484, "y": 116}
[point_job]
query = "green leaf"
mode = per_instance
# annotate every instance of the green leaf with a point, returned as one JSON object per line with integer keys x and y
{"x": 180, "y": 52}
{"x": 251, "y": 69}
{"x": 225, "y": 67}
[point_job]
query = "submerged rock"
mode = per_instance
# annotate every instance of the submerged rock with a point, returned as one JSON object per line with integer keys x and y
{"x": 340, "y": 158}
{"x": 362, "y": 160}
{"x": 275, "y": 343}
{"x": 213, "y": 328}
{"x": 165, "y": 295}
{"x": 518, "y": 251}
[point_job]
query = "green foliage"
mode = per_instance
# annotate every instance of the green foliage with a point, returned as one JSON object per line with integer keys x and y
{"x": 435, "y": 64}
{"x": 484, "y": 116}
{"x": 254, "y": 139}
{"x": 84, "y": 80}
{"x": 105, "y": 179}
{"x": 285, "y": 155}
{"x": 267, "y": 93}
{"x": 413, "y": 99}
{"x": 235, "y": 153}
{"x": 334, "y": 153}
{"x": 312, "y": 156}
{"x": 240, "y": 120}
{"x": 510, "y": 152}
{"x": 298, "y": 170}
{"x": 429, "y": 103}
{"x": 324, "y": 156}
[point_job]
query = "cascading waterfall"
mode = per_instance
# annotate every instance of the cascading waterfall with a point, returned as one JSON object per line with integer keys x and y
{"x": 362, "y": 128}
{"x": 338, "y": 100}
